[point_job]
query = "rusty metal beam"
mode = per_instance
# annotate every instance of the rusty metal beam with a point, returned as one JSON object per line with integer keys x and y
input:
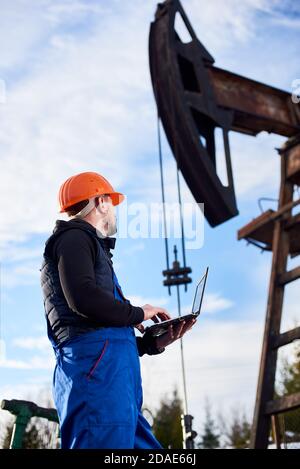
{"x": 286, "y": 337}
{"x": 256, "y": 106}
{"x": 260, "y": 230}
{"x": 283, "y": 404}
{"x": 276, "y": 431}
{"x": 289, "y": 276}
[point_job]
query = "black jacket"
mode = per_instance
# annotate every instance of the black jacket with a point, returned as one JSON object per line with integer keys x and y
{"x": 76, "y": 278}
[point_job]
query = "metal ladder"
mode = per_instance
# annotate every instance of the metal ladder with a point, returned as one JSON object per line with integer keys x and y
{"x": 280, "y": 232}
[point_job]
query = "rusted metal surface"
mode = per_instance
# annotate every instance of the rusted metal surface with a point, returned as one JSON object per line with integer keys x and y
{"x": 293, "y": 167}
{"x": 260, "y": 231}
{"x": 289, "y": 276}
{"x": 286, "y": 338}
{"x": 194, "y": 98}
{"x": 283, "y": 404}
{"x": 256, "y": 106}
{"x": 189, "y": 113}
{"x": 265, "y": 406}
{"x": 276, "y": 431}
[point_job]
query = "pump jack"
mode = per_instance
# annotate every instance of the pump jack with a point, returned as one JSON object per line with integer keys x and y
{"x": 194, "y": 98}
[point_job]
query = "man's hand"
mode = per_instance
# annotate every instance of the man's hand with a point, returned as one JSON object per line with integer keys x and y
{"x": 155, "y": 313}
{"x": 174, "y": 333}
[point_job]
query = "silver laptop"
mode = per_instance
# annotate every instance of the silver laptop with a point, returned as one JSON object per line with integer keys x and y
{"x": 162, "y": 327}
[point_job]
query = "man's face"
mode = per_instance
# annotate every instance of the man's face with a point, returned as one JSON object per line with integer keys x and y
{"x": 107, "y": 224}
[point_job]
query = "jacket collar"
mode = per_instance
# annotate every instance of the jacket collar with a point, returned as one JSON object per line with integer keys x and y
{"x": 107, "y": 243}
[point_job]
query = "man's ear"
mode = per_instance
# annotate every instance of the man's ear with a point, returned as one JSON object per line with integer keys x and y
{"x": 101, "y": 205}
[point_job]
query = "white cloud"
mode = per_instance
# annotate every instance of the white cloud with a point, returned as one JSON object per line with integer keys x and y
{"x": 286, "y": 13}
{"x": 223, "y": 24}
{"x": 35, "y": 391}
{"x": 141, "y": 300}
{"x": 287, "y": 22}
{"x": 134, "y": 248}
{"x": 80, "y": 102}
{"x": 24, "y": 253}
{"x": 20, "y": 31}
{"x": 20, "y": 273}
{"x": 20, "y": 265}
{"x": 86, "y": 122}
{"x": 40, "y": 343}
{"x": 255, "y": 165}
{"x": 34, "y": 363}
{"x": 44, "y": 360}
{"x": 214, "y": 302}
{"x": 72, "y": 12}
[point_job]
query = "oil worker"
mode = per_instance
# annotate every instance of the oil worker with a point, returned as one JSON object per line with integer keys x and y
{"x": 97, "y": 385}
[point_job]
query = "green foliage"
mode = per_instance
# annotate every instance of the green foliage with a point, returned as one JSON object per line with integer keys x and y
{"x": 210, "y": 439}
{"x": 238, "y": 431}
{"x": 290, "y": 384}
{"x": 167, "y": 422}
{"x": 290, "y": 374}
{"x": 234, "y": 433}
{"x": 6, "y": 438}
{"x": 38, "y": 435}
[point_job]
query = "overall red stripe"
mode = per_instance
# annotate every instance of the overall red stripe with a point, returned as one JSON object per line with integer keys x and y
{"x": 97, "y": 362}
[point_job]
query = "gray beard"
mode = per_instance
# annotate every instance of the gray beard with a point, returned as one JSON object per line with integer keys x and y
{"x": 111, "y": 230}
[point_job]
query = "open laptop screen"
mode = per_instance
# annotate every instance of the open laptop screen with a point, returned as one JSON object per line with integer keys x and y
{"x": 199, "y": 294}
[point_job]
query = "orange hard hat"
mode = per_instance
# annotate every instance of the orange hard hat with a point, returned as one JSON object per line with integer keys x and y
{"x": 85, "y": 186}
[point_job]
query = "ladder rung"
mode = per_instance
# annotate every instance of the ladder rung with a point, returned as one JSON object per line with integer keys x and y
{"x": 283, "y": 404}
{"x": 289, "y": 276}
{"x": 286, "y": 337}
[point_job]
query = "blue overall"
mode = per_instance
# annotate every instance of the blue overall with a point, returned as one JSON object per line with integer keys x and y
{"x": 97, "y": 389}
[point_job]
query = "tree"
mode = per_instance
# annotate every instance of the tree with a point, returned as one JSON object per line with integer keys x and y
{"x": 6, "y": 436}
{"x": 36, "y": 436}
{"x": 210, "y": 439}
{"x": 238, "y": 435}
{"x": 290, "y": 374}
{"x": 167, "y": 422}
{"x": 39, "y": 433}
{"x": 290, "y": 384}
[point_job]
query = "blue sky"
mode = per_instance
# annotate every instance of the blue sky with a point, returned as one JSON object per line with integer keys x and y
{"x": 79, "y": 97}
